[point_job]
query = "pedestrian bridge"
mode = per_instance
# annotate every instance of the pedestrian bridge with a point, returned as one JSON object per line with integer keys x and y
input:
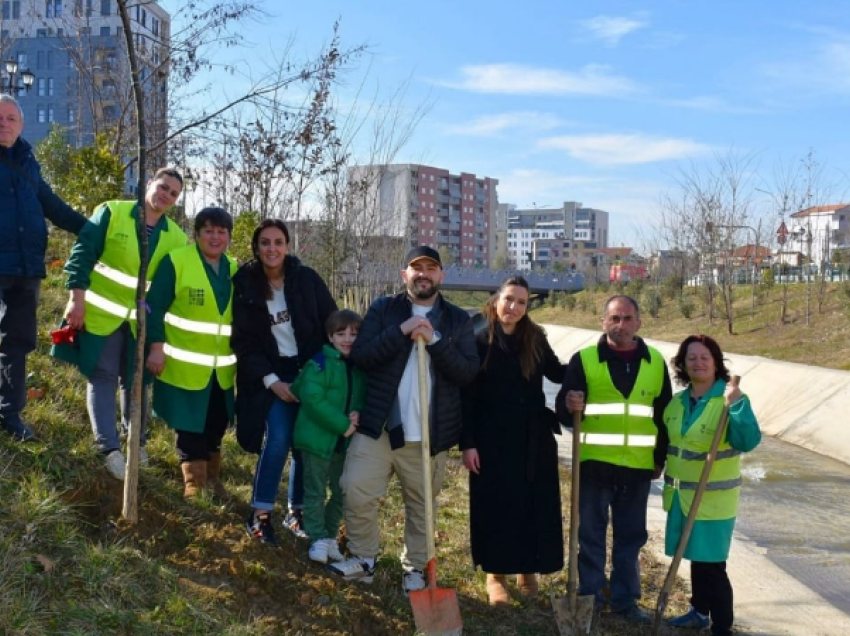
{"x": 540, "y": 283}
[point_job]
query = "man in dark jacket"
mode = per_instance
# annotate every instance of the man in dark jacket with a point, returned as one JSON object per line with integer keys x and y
{"x": 389, "y": 436}
{"x": 25, "y": 201}
{"x": 622, "y": 386}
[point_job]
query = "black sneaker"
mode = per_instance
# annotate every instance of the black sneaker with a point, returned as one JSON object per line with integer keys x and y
{"x": 19, "y": 431}
{"x": 260, "y": 527}
{"x": 294, "y": 522}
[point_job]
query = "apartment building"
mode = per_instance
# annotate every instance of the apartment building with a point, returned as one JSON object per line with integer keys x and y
{"x": 425, "y": 205}
{"x": 550, "y": 237}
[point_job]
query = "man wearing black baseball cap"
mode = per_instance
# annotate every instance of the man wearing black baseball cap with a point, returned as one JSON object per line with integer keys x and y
{"x": 389, "y": 435}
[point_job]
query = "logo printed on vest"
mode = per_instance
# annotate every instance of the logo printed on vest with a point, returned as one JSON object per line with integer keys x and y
{"x": 120, "y": 238}
{"x": 196, "y": 297}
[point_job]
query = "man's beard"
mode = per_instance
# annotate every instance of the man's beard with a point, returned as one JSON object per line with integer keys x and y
{"x": 422, "y": 294}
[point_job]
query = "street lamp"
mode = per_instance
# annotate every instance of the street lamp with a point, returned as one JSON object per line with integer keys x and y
{"x": 11, "y": 85}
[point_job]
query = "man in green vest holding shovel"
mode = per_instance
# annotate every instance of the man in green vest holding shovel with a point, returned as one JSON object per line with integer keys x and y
{"x": 102, "y": 273}
{"x": 622, "y": 387}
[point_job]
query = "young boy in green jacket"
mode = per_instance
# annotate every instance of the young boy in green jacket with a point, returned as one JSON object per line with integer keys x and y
{"x": 332, "y": 392}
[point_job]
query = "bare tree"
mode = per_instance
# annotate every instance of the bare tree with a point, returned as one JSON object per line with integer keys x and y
{"x": 708, "y": 213}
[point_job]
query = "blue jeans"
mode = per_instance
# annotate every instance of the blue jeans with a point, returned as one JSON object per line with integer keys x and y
{"x": 18, "y": 327}
{"x": 111, "y": 373}
{"x": 628, "y": 518}
{"x": 280, "y": 429}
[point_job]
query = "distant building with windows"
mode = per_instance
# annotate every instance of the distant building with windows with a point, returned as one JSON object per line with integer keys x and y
{"x": 76, "y": 49}
{"x": 454, "y": 213}
{"x": 547, "y": 238}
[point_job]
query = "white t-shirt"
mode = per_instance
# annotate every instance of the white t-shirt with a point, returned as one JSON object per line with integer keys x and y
{"x": 281, "y": 326}
{"x": 408, "y": 389}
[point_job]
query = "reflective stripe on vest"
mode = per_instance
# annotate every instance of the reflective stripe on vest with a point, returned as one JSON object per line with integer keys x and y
{"x": 615, "y": 430}
{"x": 125, "y": 280}
{"x": 208, "y": 328}
{"x": 709, "y": 487}
{"x": 201, "y": 359}
{"x": 613, "y": 439}
{"x": 197, "y": 334}
{"x": 686, "y": 456}
{"x": 111, "y": 296}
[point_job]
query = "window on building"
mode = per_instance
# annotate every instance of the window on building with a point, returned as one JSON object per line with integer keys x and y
{"x": 42, "y": 114}
{"x": 105, "y": 7}
{"x": 48, "y": 10}
{"x": 72, "y": 115}
{"x": 86, "y": 30}
{"x": 50, "y": 114}
{"x": 41, "y": 33}
{"x": 50, "y": 87}
{"x": 40, "y": 57}
{"x": 105, "y": 31}
{"x": 42, "y": 87}
{"x": 7, "y": 11}
{"x": 4, "y": 34}
{"x": 155, "y": 26}
{"x": 16, "y": 9}
{"x": 22, "y": 60}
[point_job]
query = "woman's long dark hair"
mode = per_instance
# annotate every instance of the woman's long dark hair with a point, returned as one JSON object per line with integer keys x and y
{"x": 258, "y": 274}
{"x": 528, "y": 334}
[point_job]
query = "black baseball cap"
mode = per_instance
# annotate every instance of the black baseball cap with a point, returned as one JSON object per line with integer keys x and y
{"x": 423, "y": 251}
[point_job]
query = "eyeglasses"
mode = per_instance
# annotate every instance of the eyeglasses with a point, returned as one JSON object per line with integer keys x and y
{"x": 617, "y": 319}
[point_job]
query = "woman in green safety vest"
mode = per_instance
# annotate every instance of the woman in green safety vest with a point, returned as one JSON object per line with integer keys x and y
{"x": 691, "y": 419}
{"x": 102, "y": 272}
{"x": 191, "y": 310}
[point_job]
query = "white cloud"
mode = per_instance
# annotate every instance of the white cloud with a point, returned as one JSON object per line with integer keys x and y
{"x": 611, "y": 29}
{"x": 592, "y": 79}
{"x": 624, "y": 149}
{"x": 824, "y": 70}
{"x": 491, "y": 125}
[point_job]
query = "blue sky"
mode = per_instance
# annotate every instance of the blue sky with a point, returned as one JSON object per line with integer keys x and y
{"x": 599, "y": 102}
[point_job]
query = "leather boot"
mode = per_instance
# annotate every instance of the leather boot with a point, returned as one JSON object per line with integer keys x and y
{"x": 194, "y": 477}
{"x": 497, "y": 589}
{"x": 528, "y": 585}
{"x": 213, "y": 476}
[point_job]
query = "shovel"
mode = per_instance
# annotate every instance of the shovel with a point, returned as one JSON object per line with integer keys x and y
{"x": 664, "y": 595}
{"x": 574, "y": 613}
{"x": 435, "y": 609}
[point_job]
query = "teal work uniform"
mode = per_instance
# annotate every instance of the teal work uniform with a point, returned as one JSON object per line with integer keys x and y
{"x": 710, "y": 540}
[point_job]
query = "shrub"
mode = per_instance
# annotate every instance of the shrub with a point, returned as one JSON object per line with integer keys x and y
{"x": 686, "y": 306}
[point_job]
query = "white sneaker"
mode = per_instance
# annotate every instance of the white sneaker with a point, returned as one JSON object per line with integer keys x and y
{"x": 354, "y": 569}
{"x": 333, "y": 551}
{"x": 413, "y": 581}
{"x": 115, "y": 464}
{"x": 319, "y": 551}
{"x": 144, "y": 458}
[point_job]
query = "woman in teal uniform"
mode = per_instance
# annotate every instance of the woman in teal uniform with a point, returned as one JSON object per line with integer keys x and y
{"x": 691, "y": 419}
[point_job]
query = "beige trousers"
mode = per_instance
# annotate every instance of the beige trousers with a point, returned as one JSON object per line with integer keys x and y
{"x": 369, "y": 466}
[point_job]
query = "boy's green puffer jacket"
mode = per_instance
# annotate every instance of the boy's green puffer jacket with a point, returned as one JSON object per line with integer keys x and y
{"x": 322, "y": 388}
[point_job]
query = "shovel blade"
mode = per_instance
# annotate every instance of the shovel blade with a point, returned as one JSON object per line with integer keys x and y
{"x": 573, "y": 622}
{"x": 436, "y": 611}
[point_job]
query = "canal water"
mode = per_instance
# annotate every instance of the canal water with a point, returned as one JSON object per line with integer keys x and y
{"x": 795, "y": 505}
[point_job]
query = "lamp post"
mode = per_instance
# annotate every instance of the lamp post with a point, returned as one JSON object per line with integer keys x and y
{"x": 11, "y": 84}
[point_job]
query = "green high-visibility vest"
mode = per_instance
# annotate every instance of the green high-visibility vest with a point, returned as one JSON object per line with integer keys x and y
{"x": 685, "y": 459}
{"x": 617, "y": 430}
{"x": 197, "y": 335}
{"x": 111, "y": 296}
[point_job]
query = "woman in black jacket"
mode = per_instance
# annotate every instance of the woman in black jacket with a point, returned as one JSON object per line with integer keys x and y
{"x": 279, "y": 311}
{"x": 509, "y": 448}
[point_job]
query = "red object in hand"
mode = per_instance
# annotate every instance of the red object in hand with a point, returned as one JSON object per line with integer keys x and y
{"x": 64, "y": 335}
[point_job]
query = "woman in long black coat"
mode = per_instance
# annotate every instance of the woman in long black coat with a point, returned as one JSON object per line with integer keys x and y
{"x": 509, "y": 448}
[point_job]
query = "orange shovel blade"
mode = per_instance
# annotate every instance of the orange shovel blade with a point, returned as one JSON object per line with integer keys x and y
{"x": 436, "y": 610}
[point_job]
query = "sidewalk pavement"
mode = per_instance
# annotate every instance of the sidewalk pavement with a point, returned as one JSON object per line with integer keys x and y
{"x": 768, "y": 601}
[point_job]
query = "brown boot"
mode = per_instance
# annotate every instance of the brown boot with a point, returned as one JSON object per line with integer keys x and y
{"x": 213, "y": 476}
{"x": 194, "y": 477}
{"x": 497, "y": 589}
{"x": 528, "y": 586}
